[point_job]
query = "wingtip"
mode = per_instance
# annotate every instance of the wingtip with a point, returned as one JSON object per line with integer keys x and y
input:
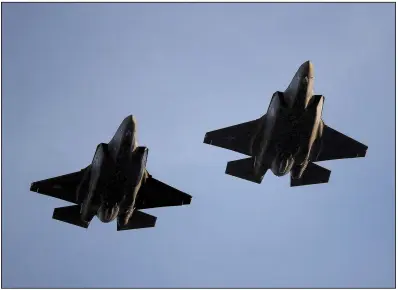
{"x": 207, "y": 140}
{"x": 187, "y": 200}
{"x": 34, "y": 187}
{"x": 363, "y": 153}
{"x": 327, "y": 177}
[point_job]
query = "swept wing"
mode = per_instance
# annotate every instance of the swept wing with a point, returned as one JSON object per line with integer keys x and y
{"x": 336, "y": 145}
{"x": 236, "y": 138}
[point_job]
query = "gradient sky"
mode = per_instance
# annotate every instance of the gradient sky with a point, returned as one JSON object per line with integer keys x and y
{"x": 72, "y": 72}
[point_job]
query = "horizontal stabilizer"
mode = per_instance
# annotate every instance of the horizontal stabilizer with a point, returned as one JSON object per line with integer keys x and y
{"x": 138, "y": 220}
{"x": 244, "y": 168}
{"x": 313, "y": 174}
{"x": 70, "y": 215}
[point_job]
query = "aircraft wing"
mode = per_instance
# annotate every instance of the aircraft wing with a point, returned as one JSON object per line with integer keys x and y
{"x": 61, "y": 187}
{"x": 154, "y": 193}
{"x": 236, "y": 138}
{"x": 336, "y": 145}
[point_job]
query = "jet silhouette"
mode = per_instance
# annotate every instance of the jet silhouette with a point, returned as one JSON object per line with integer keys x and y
{"x": 290, "y": 137}
{"x": 116, "y": 185}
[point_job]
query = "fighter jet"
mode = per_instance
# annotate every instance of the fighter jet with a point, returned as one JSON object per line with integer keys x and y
{"x": 116, "y": 185}
{"x": 290, "y": 137}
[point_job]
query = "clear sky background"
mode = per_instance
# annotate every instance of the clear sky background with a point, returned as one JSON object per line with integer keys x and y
{"x": 72, "y": 72}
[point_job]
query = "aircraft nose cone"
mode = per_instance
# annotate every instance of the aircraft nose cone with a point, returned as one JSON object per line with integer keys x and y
{"x": 128, "y": 127}
{"x": 130, "y": 121}
{"x": 307, "y": 69}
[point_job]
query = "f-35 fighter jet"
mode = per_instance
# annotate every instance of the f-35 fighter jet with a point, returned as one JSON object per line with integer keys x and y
{"x": 290, "y": 137}
{"x": 115, "y": 185}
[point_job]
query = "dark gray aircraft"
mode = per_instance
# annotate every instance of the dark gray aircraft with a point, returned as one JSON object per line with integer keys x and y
{"x": 288, "y": 138}
{"x": 115, "y": 185}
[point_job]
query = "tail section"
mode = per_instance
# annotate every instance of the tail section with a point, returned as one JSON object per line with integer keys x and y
{"x": 313, "y": 174}
{"x": 71, "y": 215}
{"x": 138, "y": 220}
{"x": 244, "y": 168}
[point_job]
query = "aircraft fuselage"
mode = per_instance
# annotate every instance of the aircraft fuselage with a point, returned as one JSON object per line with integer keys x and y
{"x": 290, "y": 128}
{"x": 290, "y": 137}
{"x": 116, "y": 185}
{"x": 115, "y": 177}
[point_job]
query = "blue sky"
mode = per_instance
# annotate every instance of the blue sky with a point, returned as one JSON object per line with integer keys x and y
{"x": 72, "y": 72}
